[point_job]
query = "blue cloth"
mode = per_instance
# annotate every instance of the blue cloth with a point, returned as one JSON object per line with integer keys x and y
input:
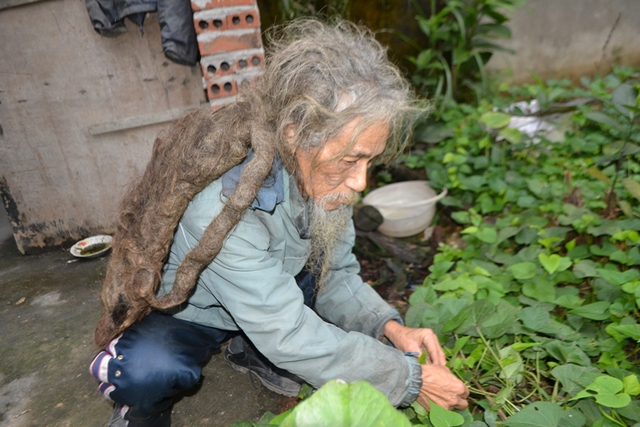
{"x": 161, "y": 356}
{"x": 270, "y": 194}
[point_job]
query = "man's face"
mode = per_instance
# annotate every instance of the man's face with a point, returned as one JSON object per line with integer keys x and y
{"x": 338, "y": 178}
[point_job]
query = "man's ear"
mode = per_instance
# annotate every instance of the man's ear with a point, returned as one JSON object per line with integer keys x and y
{"x": 290, "y": 133}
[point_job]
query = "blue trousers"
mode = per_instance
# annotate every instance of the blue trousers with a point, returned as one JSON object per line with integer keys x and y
{"x": 161, "y": 356}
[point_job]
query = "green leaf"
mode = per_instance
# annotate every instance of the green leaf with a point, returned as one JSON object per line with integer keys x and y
{"x": 606, "y": 390}
{"x": 540, "y": 289}
{"x": 495, "y": 120}
{"x": 523, "y": 270}
{"x": 625, "y": 207}
{"x": 567, "y": 353}
{"x": 278, "y": 418}
{"x": 624, "y": 96}
{"x": 432, "y": 133}
{"x": 618, "y": 278}
{"x": 338, "y": 404}
{"x": 487, "y": 235}
{"x": 631, "y": 411}
{"x": 461, "y": 217}
{"x": 632, "y": 187}
{"x": 539, "y": 320}
{"x": 507, "y": 233}
{"x": 622, "y": 332}
{"x": 631, "y": 385}
{"x": 494, "y": 31}
{"x": 480, "y": 311}
{"x": 534, "y": 318}
{"x": 459, "y": 344}
{"x": 441, "y": 417}
{"x": 572, "y": 418}
{"x": 597, "y": 174}
{"x": 606, "y": 250}
{"x": 539, "y": 414}
{"x": 568, "y": 301}
{"x": 553, "y": 263}
{"x": 461, "y": 282}
{"x": 585, "y": 268}
{"x": 603, "y": 119}
{"x": 438, "y": 269}
{"x": 470, "y": 230}
{"x": 502, "y": 321}
{"x": 574, "y": 378}
{"x": 424, "y": 293}
{"x": 512, "y": 135}
{"x": 596, "y": 311}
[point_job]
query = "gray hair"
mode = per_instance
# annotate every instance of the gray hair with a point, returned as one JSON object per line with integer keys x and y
{"x": 320, "y": 77}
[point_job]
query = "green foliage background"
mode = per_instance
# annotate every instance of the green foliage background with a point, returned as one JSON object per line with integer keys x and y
{"x": 537, "y": 294}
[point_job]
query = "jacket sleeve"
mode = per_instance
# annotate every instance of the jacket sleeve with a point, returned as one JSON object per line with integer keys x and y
{"x": 349, "y": 302}
{"x": 267, "y": 305}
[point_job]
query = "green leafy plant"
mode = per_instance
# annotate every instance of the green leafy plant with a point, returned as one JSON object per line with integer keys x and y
{"x": 537, "y": 299}
{"x": 461, "y": 36}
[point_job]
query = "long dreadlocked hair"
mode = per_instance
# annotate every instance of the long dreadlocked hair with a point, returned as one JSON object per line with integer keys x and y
{"x": 319, "y": 77}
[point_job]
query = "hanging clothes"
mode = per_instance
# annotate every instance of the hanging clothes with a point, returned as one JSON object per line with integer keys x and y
{"x": 175, "y": 17}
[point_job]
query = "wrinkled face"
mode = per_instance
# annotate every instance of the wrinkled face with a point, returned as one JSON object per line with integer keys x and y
{"x": 335, "y": 177}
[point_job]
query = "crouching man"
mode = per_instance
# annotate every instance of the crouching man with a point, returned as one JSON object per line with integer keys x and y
{"x": 240, "y": 229}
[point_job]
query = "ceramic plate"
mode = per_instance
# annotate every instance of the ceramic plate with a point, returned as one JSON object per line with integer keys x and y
{"x": 91, "y": 246}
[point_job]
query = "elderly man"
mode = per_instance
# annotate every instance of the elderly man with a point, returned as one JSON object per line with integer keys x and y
{"x": 241, "y": 229}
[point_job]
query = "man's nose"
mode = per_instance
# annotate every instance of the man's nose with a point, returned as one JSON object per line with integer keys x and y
{"x": 357, "y": 181}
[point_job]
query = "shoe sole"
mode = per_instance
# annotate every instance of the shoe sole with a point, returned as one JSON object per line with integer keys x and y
{"x": 269, "y": 386}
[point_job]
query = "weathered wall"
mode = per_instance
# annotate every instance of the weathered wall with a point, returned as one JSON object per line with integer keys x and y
{"x": 571, "y": 38}
{"x": 64, "y": 93}
{"x": 552, "y": 38}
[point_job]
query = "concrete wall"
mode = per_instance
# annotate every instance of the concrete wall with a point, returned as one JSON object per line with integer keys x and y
{"x": 65, "y": 92}
{"x": 571, "y": 38}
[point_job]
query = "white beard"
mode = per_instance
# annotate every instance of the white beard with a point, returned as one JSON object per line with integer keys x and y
{"x": 327, "y": 229}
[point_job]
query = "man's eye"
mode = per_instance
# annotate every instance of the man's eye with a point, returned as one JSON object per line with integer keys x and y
{"x": 350, "y": 162}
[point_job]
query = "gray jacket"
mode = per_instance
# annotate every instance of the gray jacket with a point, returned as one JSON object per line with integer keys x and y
{"x": 250, "y": 286}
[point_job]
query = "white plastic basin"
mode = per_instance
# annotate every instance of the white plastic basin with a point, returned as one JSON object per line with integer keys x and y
{"x": 407, "y": 207}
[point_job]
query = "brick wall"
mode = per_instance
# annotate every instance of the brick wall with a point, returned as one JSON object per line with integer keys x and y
{"x": 230, "y": 46}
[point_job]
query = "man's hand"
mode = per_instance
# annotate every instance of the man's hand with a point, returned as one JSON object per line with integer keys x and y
{"x": 442, "y": 387}
{"x": 410, "y": 340}
{"x": 438, "y": 383}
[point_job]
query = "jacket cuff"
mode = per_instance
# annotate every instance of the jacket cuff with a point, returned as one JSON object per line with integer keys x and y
{"x": 414, "y": 382}
{"x": 392, "y": 314}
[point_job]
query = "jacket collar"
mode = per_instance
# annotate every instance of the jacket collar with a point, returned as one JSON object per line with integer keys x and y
{"x": 272, "y": 192}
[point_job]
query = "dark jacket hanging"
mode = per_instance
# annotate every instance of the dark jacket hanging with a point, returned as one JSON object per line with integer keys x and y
{"x": 175, "y": 17}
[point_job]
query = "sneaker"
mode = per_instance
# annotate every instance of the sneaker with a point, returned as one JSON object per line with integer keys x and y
{"x": 117, "y": 418}
{"x": 243, "y": 357}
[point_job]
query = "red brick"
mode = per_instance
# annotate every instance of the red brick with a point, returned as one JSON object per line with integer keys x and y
{"x": 243, "y": 19}
{"x": 227, "y": 42}
{"x": 226, "y": 18}
{"x": 220, "y": 88}
{"x": 211, "y": 4}
{"x": 203, "y": 24}
{"x": 250, "y": 63}
{"x": 226, "y": 63}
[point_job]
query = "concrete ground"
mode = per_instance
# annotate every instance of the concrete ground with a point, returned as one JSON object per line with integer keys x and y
{"x": 49, "y": 305}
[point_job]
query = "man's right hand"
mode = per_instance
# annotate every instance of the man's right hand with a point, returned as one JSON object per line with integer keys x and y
{"x": 440, "y": 386}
